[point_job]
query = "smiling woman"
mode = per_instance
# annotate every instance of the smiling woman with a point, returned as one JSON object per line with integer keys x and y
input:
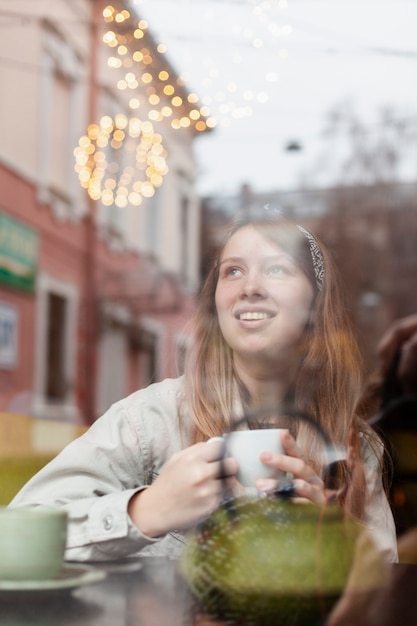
{"x": 271, "y": 329}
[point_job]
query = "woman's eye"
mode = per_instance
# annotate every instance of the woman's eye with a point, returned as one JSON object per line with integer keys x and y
{"x": 277, "y": 270}
{"x": 232, "y": 271}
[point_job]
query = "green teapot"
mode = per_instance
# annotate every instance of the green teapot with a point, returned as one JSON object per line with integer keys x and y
{"x": 267, "y": 560}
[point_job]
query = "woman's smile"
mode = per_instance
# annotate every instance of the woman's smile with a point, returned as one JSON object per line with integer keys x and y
{"x": 253, "y": 315}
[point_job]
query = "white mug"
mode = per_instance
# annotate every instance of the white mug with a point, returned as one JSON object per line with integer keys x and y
{"x": 246, "y": 446}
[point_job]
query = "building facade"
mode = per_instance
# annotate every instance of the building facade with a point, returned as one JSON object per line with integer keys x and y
{"x": 99, "y": 220}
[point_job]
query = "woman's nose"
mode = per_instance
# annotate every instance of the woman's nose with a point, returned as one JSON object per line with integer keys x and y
{"x": 253, "y": 287}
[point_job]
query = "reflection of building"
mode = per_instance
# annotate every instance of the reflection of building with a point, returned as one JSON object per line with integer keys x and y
{"x": 94, "y": 293}
{"x": 372, "y": 234}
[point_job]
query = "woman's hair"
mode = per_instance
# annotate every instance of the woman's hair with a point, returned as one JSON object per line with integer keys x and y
{"x": 328, "y": 384}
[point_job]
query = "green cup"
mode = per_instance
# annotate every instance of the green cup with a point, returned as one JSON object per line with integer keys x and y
{"x": 32, "y": 543}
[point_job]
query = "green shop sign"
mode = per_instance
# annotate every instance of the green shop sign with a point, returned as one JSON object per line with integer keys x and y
{"x": 18, "y": 254}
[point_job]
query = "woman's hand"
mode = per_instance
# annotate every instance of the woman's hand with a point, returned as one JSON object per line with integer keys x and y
{"x": 306, "y": 483}
{"x": 189, "y": 488}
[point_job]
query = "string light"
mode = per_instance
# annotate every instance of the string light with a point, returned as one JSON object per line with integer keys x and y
{"x": 237, "y": 35}
{"x": 127, "y": 139}
{"x": 131, "y": 49}
{"x": 98, "y": 161}
{"x": 160, "y": 95}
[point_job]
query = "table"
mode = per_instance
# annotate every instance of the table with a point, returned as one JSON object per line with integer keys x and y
{"x": 150, "y": 592}
{"x": 135, "y": 592}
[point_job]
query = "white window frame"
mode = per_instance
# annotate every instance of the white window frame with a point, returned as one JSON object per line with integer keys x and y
{"x": 58, "y": 56}
{"x": 67, "y": 409}
{"x": 119, "y": 316}
{"x": 112, "y": 221}
{"x": 182, "y": 342}
{"x": 156, "y": 328}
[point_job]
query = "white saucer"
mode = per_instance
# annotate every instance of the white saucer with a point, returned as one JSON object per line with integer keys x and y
{"x": 69, "y": 577}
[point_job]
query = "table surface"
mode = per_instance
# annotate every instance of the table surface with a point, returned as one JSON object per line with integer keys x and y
{"x": 150, "y": 592}
{"x": 134, "y": 592}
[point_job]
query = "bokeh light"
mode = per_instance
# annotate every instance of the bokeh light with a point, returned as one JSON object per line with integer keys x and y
{"x": 97, "y": 160}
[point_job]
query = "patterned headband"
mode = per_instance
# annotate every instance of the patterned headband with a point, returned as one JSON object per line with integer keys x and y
{"x": 316, "y": 256}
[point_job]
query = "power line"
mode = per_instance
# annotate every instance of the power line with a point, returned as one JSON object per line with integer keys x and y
{"x": 328, "y": 50}
{"x": 204, "y": 39}
{"x": 308, "y": 27}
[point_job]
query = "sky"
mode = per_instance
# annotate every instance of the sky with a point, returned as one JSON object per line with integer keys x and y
{"x": 272, "y": 70}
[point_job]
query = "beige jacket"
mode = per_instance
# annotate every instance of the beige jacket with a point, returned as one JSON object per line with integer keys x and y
{"x": 95, "y": 476}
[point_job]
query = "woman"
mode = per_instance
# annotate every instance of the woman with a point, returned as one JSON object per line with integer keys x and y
{"x": 270, "y": 329}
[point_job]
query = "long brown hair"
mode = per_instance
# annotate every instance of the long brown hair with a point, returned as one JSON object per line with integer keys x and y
{"x": 329, "y": 380}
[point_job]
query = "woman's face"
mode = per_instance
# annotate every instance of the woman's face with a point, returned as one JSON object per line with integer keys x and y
{"x": 263, "y": 299}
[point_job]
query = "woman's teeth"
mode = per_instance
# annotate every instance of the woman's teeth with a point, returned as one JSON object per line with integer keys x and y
{"x": 253, "y": 316}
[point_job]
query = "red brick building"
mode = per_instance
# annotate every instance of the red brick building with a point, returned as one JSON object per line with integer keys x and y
{"x": 94, "y": 295}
